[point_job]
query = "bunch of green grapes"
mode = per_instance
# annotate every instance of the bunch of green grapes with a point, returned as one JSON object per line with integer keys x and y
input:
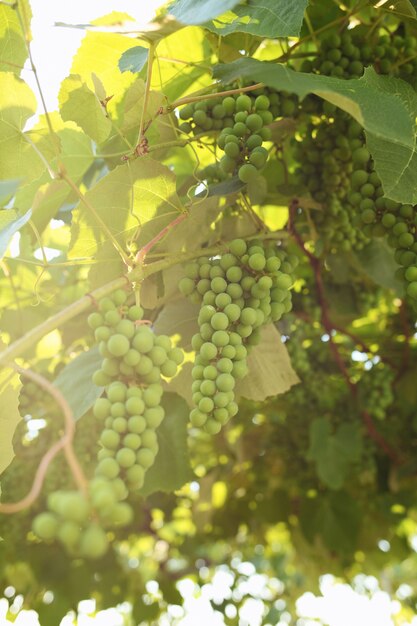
{"x": 341, "y": 55}
{"x": 340, "y": 226}
{"x": 79, "y": 521}
{"x": 242, "y": 143}
{"x": 243, "y": 121}
{"x": 134, "y": 361}
{"x": 396, "y": 54}
{"x": 324, "y": 152}
{"x": 375, "y": 390}
{"x": 240, "y": 291}
{"x": 206, "y": 115}
{"x": 382, "y": 216}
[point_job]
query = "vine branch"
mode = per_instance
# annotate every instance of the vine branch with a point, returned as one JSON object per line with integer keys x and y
{"x": 329, "y": 328}
{"x": 65, "y": 443}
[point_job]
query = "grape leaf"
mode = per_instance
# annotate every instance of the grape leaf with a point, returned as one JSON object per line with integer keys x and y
{"x": 334, "y": 517}
{"x": 199, "y": 11}
{"x": 13, "y": 50}
{"x": 139, "y": 196}
{"x": 134, "y": 59}
{"x": 7, "y": 190}
{"x": 334, "y": 453}
{"x": 10, "y": 224}
{"x": 171, "y": 469}
{"x": 75, "y": 383}
{"x": 79, "y": 104}
{"x": 385, "y": 106}
{"x": 9, "y": 413}
{"x": 270, "y": 371}
{"x": 17, "y": 105}
{"x": 377, "y": 261}
{"x": 265, "y": 18}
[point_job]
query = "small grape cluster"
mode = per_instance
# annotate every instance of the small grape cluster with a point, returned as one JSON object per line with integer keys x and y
{"x": 242, "y": 143}
{"x": 396, "y": 55}
{"x": 240, "y": 291}
{"x": 341, "y": 55}
{"x": 375, "y": 390}
{"x": 243, "y": 121}
{"x": 380, "y": 216}
{"x": 78, "y": 520}
{"x": 328, "y": 152}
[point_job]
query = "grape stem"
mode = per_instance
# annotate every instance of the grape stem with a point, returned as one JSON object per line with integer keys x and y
{"x": 330, "y": 328}
{"x": 65, "y": 443}
{"x": 217, "y": 94}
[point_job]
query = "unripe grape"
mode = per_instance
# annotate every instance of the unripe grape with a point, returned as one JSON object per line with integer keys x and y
{"x": 45, "y": 526}
{"x": 93, "y": 542}
{"x": 247, "y": 172}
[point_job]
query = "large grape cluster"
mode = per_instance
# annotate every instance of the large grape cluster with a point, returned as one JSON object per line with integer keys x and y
{"x": 240, "y": 291}
{"x": 134, "y": 362}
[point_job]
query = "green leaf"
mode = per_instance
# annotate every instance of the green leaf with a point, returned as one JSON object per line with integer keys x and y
{"x": 101, "y": 52}
{"x": 9, "y": 413}
{"x": 171, "y": 469}
{"x": 134, "y": 59}
{"x": 199, "y": 11}
{"x": 233, "y": 185}
{"x": 377, "y": 261}
{"x": 45, "y": 196}
{"x": 270, "y": 370}
{"x": 335, "y": 518}
{"x": 17, "y": 105}
{"x": 385, "y": 107}
{"x": 139, "y": 197}
{"x": 334, "y": 454}
{"x": 13, "y": 50}
{"x": 265, "y": 18}
{"x": 75, "y": 383}
{"x": 9, "y": 225}
{"x": 79, "y": 104}
{"x": 7, "y": 190}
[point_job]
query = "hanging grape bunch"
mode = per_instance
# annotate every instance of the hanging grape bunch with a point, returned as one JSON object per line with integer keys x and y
{"x": 134, "y": 362}
{"x": 244, "y": 289}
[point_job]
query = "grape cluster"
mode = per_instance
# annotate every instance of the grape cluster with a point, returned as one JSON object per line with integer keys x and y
{"x": 134, "y": 362}
{"x": 375, "y": 390}
{"x": 243, "y": 121}
{"x": 396, "y": 54}
{"x": 243, "y": 289}
{"x": 382, "y": 216}
{"x": 327, "y": 152}
{"x": 78, "y": 520}
{"x": 341, "y": 55}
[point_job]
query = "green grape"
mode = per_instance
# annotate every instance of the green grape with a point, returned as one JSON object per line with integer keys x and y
{"x": 93, "y": 542}
{"x": 247, "y": 172}
{"x": 45, "y": 526}
{"x": 125, "y": 457}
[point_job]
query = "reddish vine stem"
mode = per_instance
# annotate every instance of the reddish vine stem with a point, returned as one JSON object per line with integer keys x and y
{"x": 140, "y": 256}
{"x": 407, "y": 334}
{"x": 65, "y": 443}
{"x": 329, "y": 328}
